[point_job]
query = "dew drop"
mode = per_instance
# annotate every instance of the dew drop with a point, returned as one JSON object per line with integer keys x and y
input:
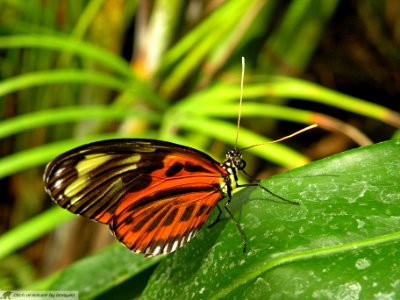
{"x": 363, "y": 263}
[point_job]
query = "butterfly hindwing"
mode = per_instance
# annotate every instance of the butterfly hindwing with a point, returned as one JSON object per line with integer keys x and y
{"x": 154, "y": 195}
{"x": 166, "y": 224}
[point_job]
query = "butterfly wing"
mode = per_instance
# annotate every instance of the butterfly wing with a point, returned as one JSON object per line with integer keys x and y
{"x": 166, "y": 223}
{"x": 154, "y": 195}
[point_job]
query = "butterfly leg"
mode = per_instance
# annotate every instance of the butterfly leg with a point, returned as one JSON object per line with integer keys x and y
{"x": 269, "y": 191}
{"x": 238, "y": 226}
{"x": 217, "y": 219}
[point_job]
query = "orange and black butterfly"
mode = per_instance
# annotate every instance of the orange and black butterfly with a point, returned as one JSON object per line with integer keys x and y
{"x": 154, "y": 195}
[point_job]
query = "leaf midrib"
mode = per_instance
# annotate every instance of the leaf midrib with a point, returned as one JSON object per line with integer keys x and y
{"x": 304, "y": 255}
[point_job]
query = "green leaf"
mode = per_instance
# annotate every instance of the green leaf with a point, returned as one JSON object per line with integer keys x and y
{"x": 341, "y": 242}
{"x": 102, "y": 271}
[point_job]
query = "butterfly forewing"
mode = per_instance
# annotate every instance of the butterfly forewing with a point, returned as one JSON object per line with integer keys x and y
{"x": 154, "y": 195}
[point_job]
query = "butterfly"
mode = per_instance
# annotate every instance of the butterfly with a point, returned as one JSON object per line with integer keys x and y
{"x": 154, "y": 195}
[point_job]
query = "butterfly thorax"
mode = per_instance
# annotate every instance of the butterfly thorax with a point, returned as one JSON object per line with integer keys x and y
{"x": 232, "y": 164}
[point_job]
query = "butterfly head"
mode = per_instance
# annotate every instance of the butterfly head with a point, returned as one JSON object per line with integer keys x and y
{"x": 234, "y": 159}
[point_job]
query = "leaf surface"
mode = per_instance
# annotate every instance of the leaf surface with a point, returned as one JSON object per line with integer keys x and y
{"x": 341, "y": 242}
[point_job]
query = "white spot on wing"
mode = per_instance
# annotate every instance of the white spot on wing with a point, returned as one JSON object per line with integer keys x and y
{"x": 166, "y": 248}
{"x": 57, "y": 184}
{"x": 175, "y": 246}
{"x": 157, "y": 250}
{"x": 59, "y": 172}
{"x": 183, "y": 241}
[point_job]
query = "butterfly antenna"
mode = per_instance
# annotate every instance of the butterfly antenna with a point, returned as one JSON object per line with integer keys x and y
{"x": 283, "y": 138}
{"x": 240, "y": 102}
